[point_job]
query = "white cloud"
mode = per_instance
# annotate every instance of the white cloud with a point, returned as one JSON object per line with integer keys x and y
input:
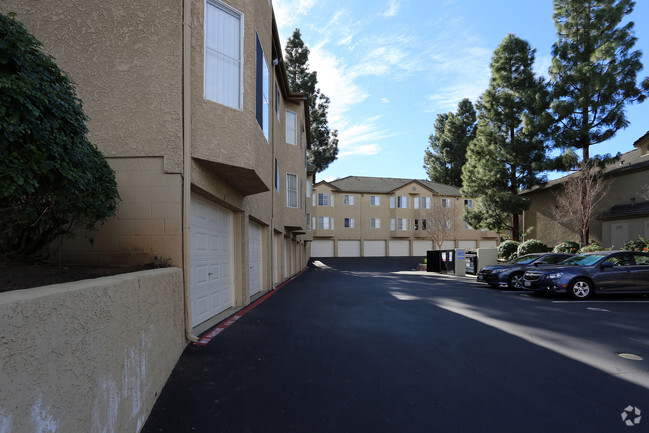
{"x": 364, "y": 150}
{"x": 385, "y": 101}
{"x": 393, "y": 8}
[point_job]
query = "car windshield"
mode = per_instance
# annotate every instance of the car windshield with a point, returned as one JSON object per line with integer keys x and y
{"x": 523, "y": 259}
{"x": 584, "y": 259}
{"x": 550, "y": 260}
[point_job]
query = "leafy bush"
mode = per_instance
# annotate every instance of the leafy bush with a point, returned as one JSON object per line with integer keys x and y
{"x": 532, "y": 246}
{"x": 591, "y": 247}
{"x": 52, "y": 179}
{"x": 507, "y": 249}
{"x": 639, "y": 244}
{"x": 569, "y": 247}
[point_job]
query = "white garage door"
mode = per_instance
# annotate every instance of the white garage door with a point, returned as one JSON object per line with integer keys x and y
{"x": 448, "y": 245}
{"x": 467, "y": 245}
{"x": 399, "y": 248}
{"x": 349, "y": 248}
{"x": 211, "y": 264}
{"x": 374, "y": 249}
{"x": 419, "y": 248}
{"x": 255, "y": 257}
{"x": 488, "y": 244}
{"x": 322, "y": 249}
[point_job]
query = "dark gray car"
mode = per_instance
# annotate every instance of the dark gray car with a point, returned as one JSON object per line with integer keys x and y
{"x": 511, "y": 273}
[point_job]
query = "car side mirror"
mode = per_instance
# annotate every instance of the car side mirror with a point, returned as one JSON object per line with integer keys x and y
{"x": 607, "y": 265}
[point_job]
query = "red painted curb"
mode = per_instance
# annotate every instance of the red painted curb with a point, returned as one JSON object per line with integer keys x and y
{"x": 206, "y": 338}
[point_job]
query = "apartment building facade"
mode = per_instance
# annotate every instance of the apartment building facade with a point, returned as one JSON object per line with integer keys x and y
{"x": 621, "y": 214}
{"x": 378, "y": 217}
{"x": 190, "y": 103}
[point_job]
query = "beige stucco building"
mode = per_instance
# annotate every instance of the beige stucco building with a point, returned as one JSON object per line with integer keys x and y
{"x": 621, "y": 215}
{"x": 376, "y": 217}
{"x": 189, "y": 102}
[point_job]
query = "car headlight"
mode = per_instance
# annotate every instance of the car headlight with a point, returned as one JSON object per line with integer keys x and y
{"x": 555, "y": 276}
{"x": 498, "y": 271}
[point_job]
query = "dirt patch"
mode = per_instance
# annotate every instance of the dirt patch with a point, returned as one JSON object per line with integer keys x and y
{"x": 16, "y": 276}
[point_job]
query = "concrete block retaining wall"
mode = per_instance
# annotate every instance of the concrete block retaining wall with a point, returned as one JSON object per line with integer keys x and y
{"x": 89, "y": 356}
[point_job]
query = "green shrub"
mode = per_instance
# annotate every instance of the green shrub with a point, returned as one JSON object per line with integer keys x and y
{"x": 507, "y": 249}
{"x": 532, "y": 246}
{"x": 639, "y": 244}
{"x": 591, "y": 247}
{"x": 52, "y": 179}
{"x": 569, "y": 247}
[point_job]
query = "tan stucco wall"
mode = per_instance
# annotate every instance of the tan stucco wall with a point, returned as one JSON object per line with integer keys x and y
{"x": 125, "y": 59}
{"x": 541, "y": 218}
{"x": 90, "y": 356}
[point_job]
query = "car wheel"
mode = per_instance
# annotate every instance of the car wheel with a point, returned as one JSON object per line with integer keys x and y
{"x": 580, "y": 289}
{"x": 515, "y": 281}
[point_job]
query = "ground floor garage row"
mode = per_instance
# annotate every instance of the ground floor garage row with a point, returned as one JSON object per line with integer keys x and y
{"x": 388, "y": 248}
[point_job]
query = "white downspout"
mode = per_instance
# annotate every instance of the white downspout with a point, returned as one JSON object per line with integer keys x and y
{"x": 187, "y": 163}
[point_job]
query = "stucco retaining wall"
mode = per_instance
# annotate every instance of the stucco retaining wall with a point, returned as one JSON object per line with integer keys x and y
{"x": 89, "y": 356}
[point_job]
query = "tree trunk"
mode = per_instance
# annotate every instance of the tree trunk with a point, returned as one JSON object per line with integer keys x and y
{"x": 516, "y": 230}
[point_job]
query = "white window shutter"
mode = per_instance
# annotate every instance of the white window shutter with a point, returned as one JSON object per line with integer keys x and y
{"x": 332, "y": 223}
{"x": 332, "y": 200}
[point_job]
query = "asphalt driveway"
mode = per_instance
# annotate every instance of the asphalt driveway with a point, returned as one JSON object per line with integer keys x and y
{"x": 368, "y": 345}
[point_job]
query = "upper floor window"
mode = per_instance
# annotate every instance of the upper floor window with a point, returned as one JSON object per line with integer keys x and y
{"x": 291, "y": 190}
{"x": 291, "y": 127}
{"x": 223, "y": 55}
{"x": 308, "y": 221}
{"x": 308, "y": 188}
{"x": 349, "y": 223}
{"x": 426, "y": 202}
{"x": 375, "y": 200}
{"x": 277, "y": 101}
{"x": 415, "y": 203}
{"x": 446, "y": 202}
{"x": 276, "y": 175}
{"x": 262, "y": 109}
{"x": 402, "y": 202}
{"x": 375, "y": 223}
{"x": 348, "y": 200}
{"x": 323, "y": 223}
{"x": 468, "y": 203}
{"x": 323, "y": 199}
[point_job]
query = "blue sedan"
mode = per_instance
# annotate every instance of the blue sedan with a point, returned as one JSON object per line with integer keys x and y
{"x": 584, "y": 275}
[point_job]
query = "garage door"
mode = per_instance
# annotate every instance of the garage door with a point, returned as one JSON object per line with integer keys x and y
{"x": 488, "y": 244}
{"x": 374, "y": 249}
{"x": 322, "y": 249}
{"x": 255, "y": 257}
{"x": 467, "y": 245}
{"x": 399, "y": 248}
{"x": 349, "y": 248}
{"x": 211, "y": 264}
{"x": 419, "y": 248}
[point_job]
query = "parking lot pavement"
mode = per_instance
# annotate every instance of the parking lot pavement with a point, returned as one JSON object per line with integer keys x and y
{"x": 366, "y": 345}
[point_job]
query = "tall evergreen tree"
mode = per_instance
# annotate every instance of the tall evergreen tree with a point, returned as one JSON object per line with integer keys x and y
{"x": 324, "y": 141}
{"x": 446, "y": 153}
{"x": 508, "y": 153}
{"x": 594, "y": 72}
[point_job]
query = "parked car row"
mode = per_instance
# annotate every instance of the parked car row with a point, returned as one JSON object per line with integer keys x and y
{"x": 580, "y": 276}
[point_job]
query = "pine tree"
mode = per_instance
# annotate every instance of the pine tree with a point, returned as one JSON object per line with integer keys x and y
{"x": 508, "y": 153}
{"x": 594, "y": 72}
{"x": 446, "y": 153}
{"x": 324, "y": 141}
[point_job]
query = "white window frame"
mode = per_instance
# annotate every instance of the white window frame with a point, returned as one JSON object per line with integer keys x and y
{"x": 446, "y": 203}
{"x": 323, "y": 223}
{"x": 427, "y": 204}
{"x": 468, "y": 203}
{"x": 291, "y": 127}
{"x": 392, "y": 202}
{"x": 291, "y": 190}
{"x": 424, "y": 224}
{"x": 415, "y": 203}
{"x": 323, "y": 199}
{"x": 209, "y": 51}
{"x": 375, "y": 223}
{"x": 349, "y": 223}
{"x": 348, "y": 200}
{"x": 403, "y": 224}
{"x": 308, "y": 221}
{"x": 375, "y": 200}
{"x": 308, "y": 188}
{"x": 393, "y": 224}
{"x": 402, "y": 202}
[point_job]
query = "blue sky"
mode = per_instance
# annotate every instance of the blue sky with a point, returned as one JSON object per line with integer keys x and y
{"x": 390, "y": 66}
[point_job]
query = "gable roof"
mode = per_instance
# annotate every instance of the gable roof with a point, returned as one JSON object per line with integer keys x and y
{"x": 386, "y": 185}
{"x": 631, "y": 161}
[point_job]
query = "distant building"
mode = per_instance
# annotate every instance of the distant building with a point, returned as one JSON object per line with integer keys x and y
{"x": 375, "y": 217}
{"x": 623, "y": 214}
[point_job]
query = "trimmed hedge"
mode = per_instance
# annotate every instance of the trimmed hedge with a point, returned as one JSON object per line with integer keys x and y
{"x": 532, "y": 246}
{"x": 570, "y": 247}
{"x": 507, "y": 249}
